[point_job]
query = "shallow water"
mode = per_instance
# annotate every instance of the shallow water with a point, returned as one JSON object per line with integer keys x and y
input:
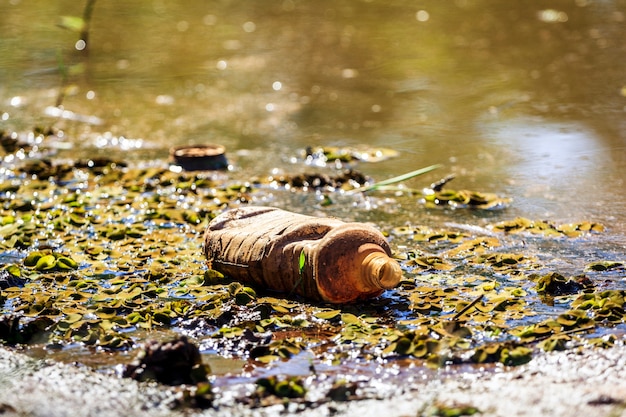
{"x": 526, "y": 101}
{"x": 523, "y": 100}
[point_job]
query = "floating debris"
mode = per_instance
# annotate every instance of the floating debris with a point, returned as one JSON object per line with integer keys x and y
{"x": 555, "y": 284}
{"x": 436, "y": 196}
{"x": 97, "y": 253}
{"x": 546, "y": 228}
{"x": 291, "y": 387}
{"x": 606, "y": 266}
{"x": 464, "y": 199}
{"x": 346, "y": 180}
{"x": 320, "y": 156}
{"x": 48, "y": 261}
{"x": 507, "y": 353}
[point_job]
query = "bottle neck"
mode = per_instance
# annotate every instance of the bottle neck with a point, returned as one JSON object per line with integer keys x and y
{"x": 379, "y": 270}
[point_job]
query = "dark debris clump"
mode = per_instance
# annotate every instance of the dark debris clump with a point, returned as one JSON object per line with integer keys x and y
{"x": 348, "y": 178}
{"x": 8, "y": 280}
{"x": 555, "y": 284}
{"x": 174, "y": 362}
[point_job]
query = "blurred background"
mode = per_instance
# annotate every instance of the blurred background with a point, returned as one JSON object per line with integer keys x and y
{"x": 523, "y": 99}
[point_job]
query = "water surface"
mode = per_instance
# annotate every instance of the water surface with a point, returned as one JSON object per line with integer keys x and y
{"x": 519, "y": 99}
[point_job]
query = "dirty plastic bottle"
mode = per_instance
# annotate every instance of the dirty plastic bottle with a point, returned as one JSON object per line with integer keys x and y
{"x": 322, "y": 259}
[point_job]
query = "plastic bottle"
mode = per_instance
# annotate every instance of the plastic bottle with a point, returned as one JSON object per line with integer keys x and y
{"x": 322, "y": 259}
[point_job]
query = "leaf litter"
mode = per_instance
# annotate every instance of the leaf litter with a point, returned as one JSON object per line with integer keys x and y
{"x": 95, "y": 254}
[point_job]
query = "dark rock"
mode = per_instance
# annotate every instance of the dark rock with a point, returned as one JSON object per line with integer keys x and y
{"x": 174, "y": 362}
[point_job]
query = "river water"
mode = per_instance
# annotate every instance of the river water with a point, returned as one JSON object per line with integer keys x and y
{"x": 524, "y": 100}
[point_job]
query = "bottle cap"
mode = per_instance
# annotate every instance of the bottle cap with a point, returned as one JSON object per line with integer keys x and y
{"x": 209, "y": 157}
{"x": 382, "y": 270}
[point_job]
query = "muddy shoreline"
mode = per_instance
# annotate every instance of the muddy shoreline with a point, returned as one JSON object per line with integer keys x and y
{"x": 589, "y": 382}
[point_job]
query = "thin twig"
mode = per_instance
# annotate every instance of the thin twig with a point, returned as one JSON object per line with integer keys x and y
{"x": 467, "y": 307}
{"x": 84, "y": 34}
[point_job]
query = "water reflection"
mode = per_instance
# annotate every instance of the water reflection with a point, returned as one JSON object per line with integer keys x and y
{"x": 558, "y": 163}
{"x": 551, "y": 152}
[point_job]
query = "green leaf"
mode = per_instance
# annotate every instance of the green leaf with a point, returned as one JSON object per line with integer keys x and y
{"x": 63, "y": 262}
{"x": 45, "y": 263}
{"x": 13, "y": 270}
{"x": 302, "y": 261}
{"x": 328, "y": 315}
{"x": 74, "y": 23}
{"x": 348, "y": 318}
{"x": 32, "y": 258}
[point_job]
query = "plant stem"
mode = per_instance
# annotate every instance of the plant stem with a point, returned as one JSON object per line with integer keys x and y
{"x": 394, "y": 180}
{"x": 84, "y": 35}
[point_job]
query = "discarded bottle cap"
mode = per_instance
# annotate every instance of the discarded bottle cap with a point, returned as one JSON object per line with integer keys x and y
{"x": 208, "y": 157}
